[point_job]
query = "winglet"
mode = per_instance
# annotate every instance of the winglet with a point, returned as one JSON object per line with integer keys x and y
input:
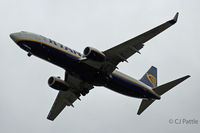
{"x": 174, "y": 20}
{"x": 176, "y": 17}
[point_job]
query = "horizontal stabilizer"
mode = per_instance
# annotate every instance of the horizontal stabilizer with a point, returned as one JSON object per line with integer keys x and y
{"x": 144, "y": 104}
{"x": 160, "y": 90}
{"x": 166, "y": 87}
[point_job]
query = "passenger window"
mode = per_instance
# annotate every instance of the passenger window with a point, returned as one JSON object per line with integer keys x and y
{"x": 50, "y": 41}
{"x": 66, "y": 48}
{"x": 75, "y": 52}
{"x": 54, "y": 42}
{"x": 79, "y": 54}
{"x": 71, "y": 51}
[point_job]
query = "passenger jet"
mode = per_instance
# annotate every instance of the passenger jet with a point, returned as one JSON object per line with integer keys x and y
{"x": 96, "y": 68}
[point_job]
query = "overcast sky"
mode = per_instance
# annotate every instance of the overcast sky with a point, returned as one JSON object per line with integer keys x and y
{"x": 26, "y": 99}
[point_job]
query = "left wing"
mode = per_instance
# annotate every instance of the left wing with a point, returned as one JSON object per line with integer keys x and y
{"x": 67, "y": 98}
{"x": 64, "y": 98}
{"x": 123, "y": 51}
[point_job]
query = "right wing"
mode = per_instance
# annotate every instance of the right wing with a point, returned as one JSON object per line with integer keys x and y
{"x": 124, "y": 50}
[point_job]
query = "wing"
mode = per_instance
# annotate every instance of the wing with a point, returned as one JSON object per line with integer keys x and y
{"x": 67, "y": 98}
{"x": 64, "y": 98}
{"x": 123, "y": 51}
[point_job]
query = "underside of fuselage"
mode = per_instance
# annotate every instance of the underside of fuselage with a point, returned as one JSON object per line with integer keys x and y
{"x": 67, "y": 61}
{"x": 71, "y": 63}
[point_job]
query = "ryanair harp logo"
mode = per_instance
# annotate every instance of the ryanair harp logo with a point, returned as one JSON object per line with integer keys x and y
{"x": 152, "y": 79}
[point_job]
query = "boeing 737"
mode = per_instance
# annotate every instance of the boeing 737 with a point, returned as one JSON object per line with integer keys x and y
{"x": 96, "y": 68}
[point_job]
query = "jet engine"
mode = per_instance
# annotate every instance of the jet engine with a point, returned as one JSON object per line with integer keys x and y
{"x": 58, "y": 84}
{"x": 71, "y": 82}
{"x": 94, "y": 54}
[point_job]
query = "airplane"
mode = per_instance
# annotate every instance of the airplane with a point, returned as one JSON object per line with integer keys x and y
{"x": 96, "y": 68}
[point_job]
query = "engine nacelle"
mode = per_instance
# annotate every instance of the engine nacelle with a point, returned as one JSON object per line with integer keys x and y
{"x": 94, "y": 54}
{"x": 58, "y": 84}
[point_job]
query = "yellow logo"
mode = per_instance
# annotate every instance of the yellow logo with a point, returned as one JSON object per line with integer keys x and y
{"x": 152, "y": 79}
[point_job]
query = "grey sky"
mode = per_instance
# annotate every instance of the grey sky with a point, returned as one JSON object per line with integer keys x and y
{"x": 26, "y": 99}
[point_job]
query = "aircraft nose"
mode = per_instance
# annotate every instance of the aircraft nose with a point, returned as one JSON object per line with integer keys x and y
{"x": 14, "y": 36}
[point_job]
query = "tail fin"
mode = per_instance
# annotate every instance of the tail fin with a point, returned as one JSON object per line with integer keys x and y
{"x": 160, "y": 90}
{"x": 150, "y": 78}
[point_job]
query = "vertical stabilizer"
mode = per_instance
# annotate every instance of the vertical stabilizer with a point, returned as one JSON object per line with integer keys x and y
{"x": 150, "y": 78}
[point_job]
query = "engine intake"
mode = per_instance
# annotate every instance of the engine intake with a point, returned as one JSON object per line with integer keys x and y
{"x": 58, "y": 84}
{"x": 94, "y": 54}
